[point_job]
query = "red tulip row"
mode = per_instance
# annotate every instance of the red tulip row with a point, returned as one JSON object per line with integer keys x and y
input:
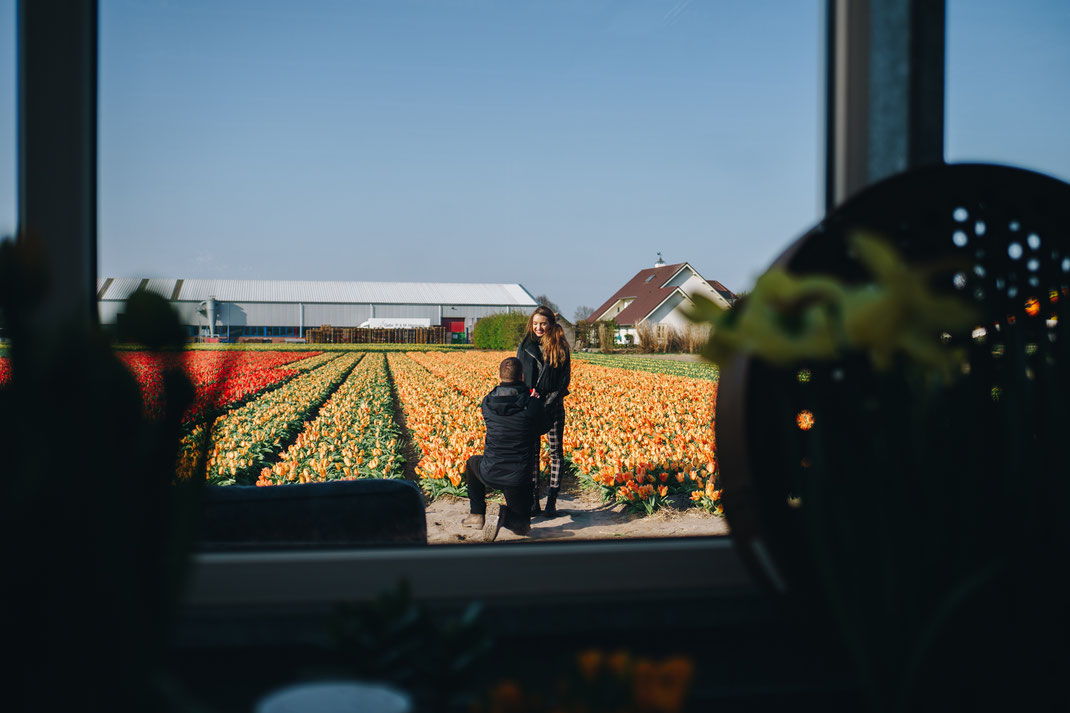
{"x": 247, "y": 439}
{"x": 220, "y": 379}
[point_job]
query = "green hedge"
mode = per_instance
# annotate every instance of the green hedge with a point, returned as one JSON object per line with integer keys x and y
{"x": 500, "y": 331}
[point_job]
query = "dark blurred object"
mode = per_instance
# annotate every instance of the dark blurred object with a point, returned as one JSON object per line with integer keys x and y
{"x": 436, "y": 659}
{"x": 150, "y": 321}
{"x": 94, "y": 532}
{"x": 344, "y": 513}
{"x": 922, "y": 513}
{"x": 596, "y": 681}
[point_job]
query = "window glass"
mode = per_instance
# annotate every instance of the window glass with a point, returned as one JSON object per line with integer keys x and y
{"x": 561, "y": 146}
{"x": 1007, "y": 69}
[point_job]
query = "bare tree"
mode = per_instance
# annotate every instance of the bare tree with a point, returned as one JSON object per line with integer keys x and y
{"x": 547, "y": 302}
{"x": 582, "y": 312}
{"x": 606, "y": 337}
{"x": 648, "y": 342}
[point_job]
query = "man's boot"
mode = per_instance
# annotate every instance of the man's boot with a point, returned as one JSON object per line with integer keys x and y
{"x": 551, "y": 502}
{"x": 535, "y": 509}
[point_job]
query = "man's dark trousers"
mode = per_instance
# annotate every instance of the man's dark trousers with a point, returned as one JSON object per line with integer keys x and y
{"x": 517, "y": 499}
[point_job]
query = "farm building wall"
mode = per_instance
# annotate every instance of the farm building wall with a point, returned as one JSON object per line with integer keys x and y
{"x": 339, "y": 315}
{"x": 308, "y": 315}
{"x": 108, "y": 311}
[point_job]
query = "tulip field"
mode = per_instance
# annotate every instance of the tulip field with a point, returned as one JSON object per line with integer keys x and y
{"x": 637, "y": 431}
{"x": 694, "y": 370}
{"x": 637, "y": 437}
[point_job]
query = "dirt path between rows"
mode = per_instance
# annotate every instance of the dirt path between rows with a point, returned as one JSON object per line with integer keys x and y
{"x": 581, "y": 516}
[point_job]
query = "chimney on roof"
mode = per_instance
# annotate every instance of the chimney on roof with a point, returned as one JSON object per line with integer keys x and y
{"x": 660, "y": 262}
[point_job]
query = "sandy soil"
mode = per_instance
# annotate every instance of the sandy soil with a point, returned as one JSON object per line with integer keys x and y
{"x": 581, "y": 516}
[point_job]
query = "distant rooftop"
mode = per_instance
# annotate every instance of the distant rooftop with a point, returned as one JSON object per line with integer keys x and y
{"x": 197, "y": 290}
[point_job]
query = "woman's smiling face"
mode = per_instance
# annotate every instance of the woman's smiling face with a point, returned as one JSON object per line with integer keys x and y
{"x": 539, "y": 325}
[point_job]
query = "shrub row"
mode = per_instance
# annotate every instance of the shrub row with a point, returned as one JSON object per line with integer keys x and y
{"x": 500, "y": 331}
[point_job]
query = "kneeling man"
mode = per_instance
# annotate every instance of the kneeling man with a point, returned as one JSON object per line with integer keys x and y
{"x": 513, "y": 415}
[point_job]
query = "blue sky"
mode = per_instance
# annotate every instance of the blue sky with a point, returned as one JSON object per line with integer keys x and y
{"x": 556, "y": 144}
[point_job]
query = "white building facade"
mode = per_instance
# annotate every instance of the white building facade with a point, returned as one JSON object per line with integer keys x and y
{"x": 659, "y": 296}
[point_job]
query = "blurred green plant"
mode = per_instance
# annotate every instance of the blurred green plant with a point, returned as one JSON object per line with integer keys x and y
{"x": 787, "y": 318}
{"x": 396, "y": 640}
{"x": 95, "y": 533}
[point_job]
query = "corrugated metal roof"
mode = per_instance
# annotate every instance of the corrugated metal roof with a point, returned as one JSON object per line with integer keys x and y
{"x": 162, "y": 286}
{"x": 121, "y": 288}
{"x": 522, "y": 296}
{"x": 459, "y": 293}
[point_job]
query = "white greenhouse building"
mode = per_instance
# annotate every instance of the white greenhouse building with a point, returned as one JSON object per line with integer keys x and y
{"x": 231, "y": 309}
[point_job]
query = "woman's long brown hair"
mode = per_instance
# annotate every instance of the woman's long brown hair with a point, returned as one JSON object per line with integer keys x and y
{"x": 555, "y": 346}
{"x": 545, "y": 312}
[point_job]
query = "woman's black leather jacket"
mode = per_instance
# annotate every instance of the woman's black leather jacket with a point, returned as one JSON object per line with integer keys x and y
{"x": 551, "y": 382}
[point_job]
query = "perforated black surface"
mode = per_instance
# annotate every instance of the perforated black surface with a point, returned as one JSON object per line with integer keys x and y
{"x": 1001, "y": 237}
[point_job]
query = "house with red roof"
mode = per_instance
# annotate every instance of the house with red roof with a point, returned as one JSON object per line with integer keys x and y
{"x": 659, "y": 295}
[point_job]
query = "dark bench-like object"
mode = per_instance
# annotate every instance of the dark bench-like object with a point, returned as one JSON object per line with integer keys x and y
{"x": 346, "y": 513}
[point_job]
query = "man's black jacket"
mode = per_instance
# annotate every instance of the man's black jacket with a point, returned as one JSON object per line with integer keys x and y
{"x": 513, "y": 419}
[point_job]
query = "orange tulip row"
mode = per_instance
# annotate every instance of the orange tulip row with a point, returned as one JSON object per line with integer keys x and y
{"x": 444, "y": 423}
{"x": 353, "y": 436}
{"x": 460, "y": 372}
{"x": 641, "y": 437}
{"x": 638, "y": 437}
{"x": 475, "y": 378}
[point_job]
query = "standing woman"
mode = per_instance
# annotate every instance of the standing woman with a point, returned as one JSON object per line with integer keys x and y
{"x": 544, "y": 354}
